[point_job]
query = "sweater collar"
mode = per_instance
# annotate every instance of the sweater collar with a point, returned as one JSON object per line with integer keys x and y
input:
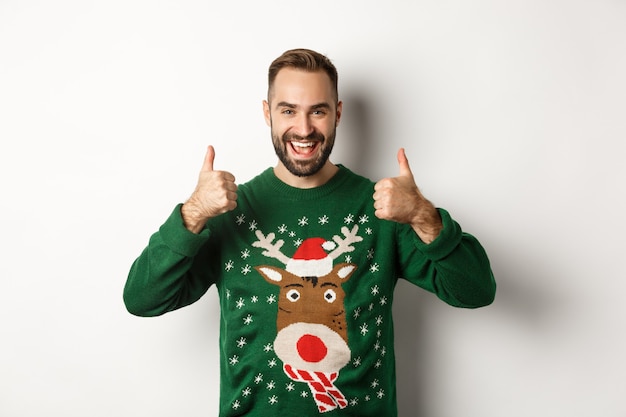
{"x": 293, "y": 193}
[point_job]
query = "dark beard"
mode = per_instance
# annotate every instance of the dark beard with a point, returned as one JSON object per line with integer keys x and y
{"x": 299, "y": 168}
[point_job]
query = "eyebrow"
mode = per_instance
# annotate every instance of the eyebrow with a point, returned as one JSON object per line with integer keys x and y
{"x": 294, "y": 106}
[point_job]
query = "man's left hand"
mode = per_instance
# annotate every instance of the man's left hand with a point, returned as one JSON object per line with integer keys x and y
{"x": 398, "y": 199}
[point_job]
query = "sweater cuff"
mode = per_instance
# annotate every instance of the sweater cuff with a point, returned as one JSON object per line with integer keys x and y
{"x": 448, "y": 239}
{"x": 178, "y": 238}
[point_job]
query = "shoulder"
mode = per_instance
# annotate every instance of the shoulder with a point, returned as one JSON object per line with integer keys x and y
{"x": 352, "y": 178}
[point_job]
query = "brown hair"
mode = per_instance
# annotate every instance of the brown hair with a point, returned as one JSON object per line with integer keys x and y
{"x": 306, "y": 60}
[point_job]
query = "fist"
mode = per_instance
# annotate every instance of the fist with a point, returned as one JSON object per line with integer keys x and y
{"x": 215, "y": 194}
{"x": 398, "y": 199}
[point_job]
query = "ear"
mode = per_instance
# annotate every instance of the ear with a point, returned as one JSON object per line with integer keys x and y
{"x": 266, "y": 113}
{"x": 339, "y": 110}
{"x": 271, "y": 274}
{"x": 344, "y": 271}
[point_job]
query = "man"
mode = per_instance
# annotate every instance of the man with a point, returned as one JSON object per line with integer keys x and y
{"x": 305, "y": 258}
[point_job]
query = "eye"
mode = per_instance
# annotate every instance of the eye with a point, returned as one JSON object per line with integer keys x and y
{"x": 330, "y": 296}
{"x": 287, "y": 112}
{"x": 293, "y": 295}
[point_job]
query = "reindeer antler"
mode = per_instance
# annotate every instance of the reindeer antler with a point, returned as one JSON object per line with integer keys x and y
{"x": 345, "y": 245}
{"x": 272, "y": 250}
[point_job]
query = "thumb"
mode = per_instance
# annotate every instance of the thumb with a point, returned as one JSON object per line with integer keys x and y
{"x": 403, "y": 162}
{"x": 208, "y": 159}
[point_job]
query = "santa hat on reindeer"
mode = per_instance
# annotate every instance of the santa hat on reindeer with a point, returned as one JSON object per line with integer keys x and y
{"x": 311, "y": 259}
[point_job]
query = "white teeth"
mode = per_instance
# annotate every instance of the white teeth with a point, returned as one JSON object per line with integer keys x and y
{"x": 302, "y": 144}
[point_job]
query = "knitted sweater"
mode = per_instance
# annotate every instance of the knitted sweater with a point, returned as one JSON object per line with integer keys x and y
{"x": 305, "y": 279}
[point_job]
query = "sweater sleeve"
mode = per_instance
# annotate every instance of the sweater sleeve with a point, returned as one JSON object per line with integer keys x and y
{"x": 454, "y": 266}
{"x": 169, "y": 273}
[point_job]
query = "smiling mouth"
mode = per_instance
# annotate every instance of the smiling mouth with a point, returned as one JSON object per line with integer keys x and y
{"x": 304, "y": 149}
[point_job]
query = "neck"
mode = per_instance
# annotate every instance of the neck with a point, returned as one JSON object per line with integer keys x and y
{"x": 318, "y": 179}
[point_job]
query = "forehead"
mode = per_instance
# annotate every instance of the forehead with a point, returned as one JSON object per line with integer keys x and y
{"x": 301, "y": 87}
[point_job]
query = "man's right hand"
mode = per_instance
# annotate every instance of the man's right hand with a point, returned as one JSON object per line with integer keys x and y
{"x": 216, "y": 193}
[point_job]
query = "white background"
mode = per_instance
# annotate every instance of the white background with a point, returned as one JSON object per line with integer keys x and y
{"x": 513, "y": 117}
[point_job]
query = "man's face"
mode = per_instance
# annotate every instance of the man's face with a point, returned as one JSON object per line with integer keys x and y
{"x": 303, "y": 115}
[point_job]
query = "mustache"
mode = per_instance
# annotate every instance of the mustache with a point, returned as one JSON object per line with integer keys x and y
{"x": 314, "y": 136}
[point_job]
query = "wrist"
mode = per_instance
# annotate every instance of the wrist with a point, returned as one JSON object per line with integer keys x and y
{"x": 427, "y": 224}
{"x": 192, "y": 216}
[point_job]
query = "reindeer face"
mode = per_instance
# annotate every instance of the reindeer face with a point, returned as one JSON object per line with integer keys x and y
{"x": 311, "y": 319}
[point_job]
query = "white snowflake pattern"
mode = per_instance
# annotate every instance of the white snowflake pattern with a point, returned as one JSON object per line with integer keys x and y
{"x": 349, "y": 219}
{"x": 290, "y": 387}
{"x": 380, "y": 394}
{"x": 354, "y": 401}
{"x": 268, "y": 347}
{"x": 375, "y": 383}
{"x": 228, "y": 266}
{"x": 271, "y": 385}
{"x": 292, "y": 234}
{"x": 323, "y": 219}
{"x": 357, "y": 313}
{"x": 379, "y": 333}
{"x": 282, "y": 228}
{"x": 236, "y": 405}
{"x": 245, "y": 254}
{"x": 303, "y": 221}
{"x": 368, "y": 231}
{"x": 234, "y": 360}
{"x": 367, "y": 398}
{"x": 374, "y": 267}
{"x": 253, "y": 225}
{"x": 273, "y": 399}
{"x": 228, "y": 294}
{"x": 246, "y": 269}
{"x": 383, "y": 300}
{"x": 254, "y": 299}
{"x": 272, "y": 363}
{"x": 371, "y": 307}
{"x": 271, "y": 299}
{"x": 378, "y": 364}
{"x": 348, "y": 259}
{"x": 377, "y": 345}
{"x": 379, "y": 320}
{"x": 246, "y": 392}
{"x": 241, "y": 219}
{"x": 375, "y": 290}
{"x": 370, "y": 253}
{"x": 363, "y": 219}
{"x": 383, "y": 351}
{"x": 240, "y": 303}
{"x": 357, "y": 362}
{"x": 258, "y": 379}
{"x": 304, "y": 394}
{"x": 364, "y": 329}
{"x": 241, "y": 342}
{"x": 248, "y": 320}
{"x": 297, "y": 242}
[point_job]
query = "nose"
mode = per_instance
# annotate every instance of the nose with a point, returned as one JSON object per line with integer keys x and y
{"x": 303, "y": 127}
{"x": 311, "y": 348}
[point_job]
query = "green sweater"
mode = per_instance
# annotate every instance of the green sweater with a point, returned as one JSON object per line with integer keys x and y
{"x": 305, "y": 279}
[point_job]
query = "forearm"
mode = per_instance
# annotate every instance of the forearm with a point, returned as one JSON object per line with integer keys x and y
{"x": 454, "y": 266}
{"x": 464, "y": 278}
{"x": 168, "y": 274}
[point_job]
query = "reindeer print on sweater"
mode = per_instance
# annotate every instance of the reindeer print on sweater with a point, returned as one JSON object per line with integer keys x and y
{"x": 318, "y": 335}
{"x": 312, "y": 339}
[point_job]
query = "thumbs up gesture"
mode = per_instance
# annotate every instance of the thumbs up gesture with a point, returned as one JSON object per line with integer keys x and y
{"x": 215, "y": 193}
{"x": 398, "y": 199}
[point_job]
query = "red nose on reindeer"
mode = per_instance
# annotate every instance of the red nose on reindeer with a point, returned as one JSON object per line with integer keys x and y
{"x": 311, "y": 348}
